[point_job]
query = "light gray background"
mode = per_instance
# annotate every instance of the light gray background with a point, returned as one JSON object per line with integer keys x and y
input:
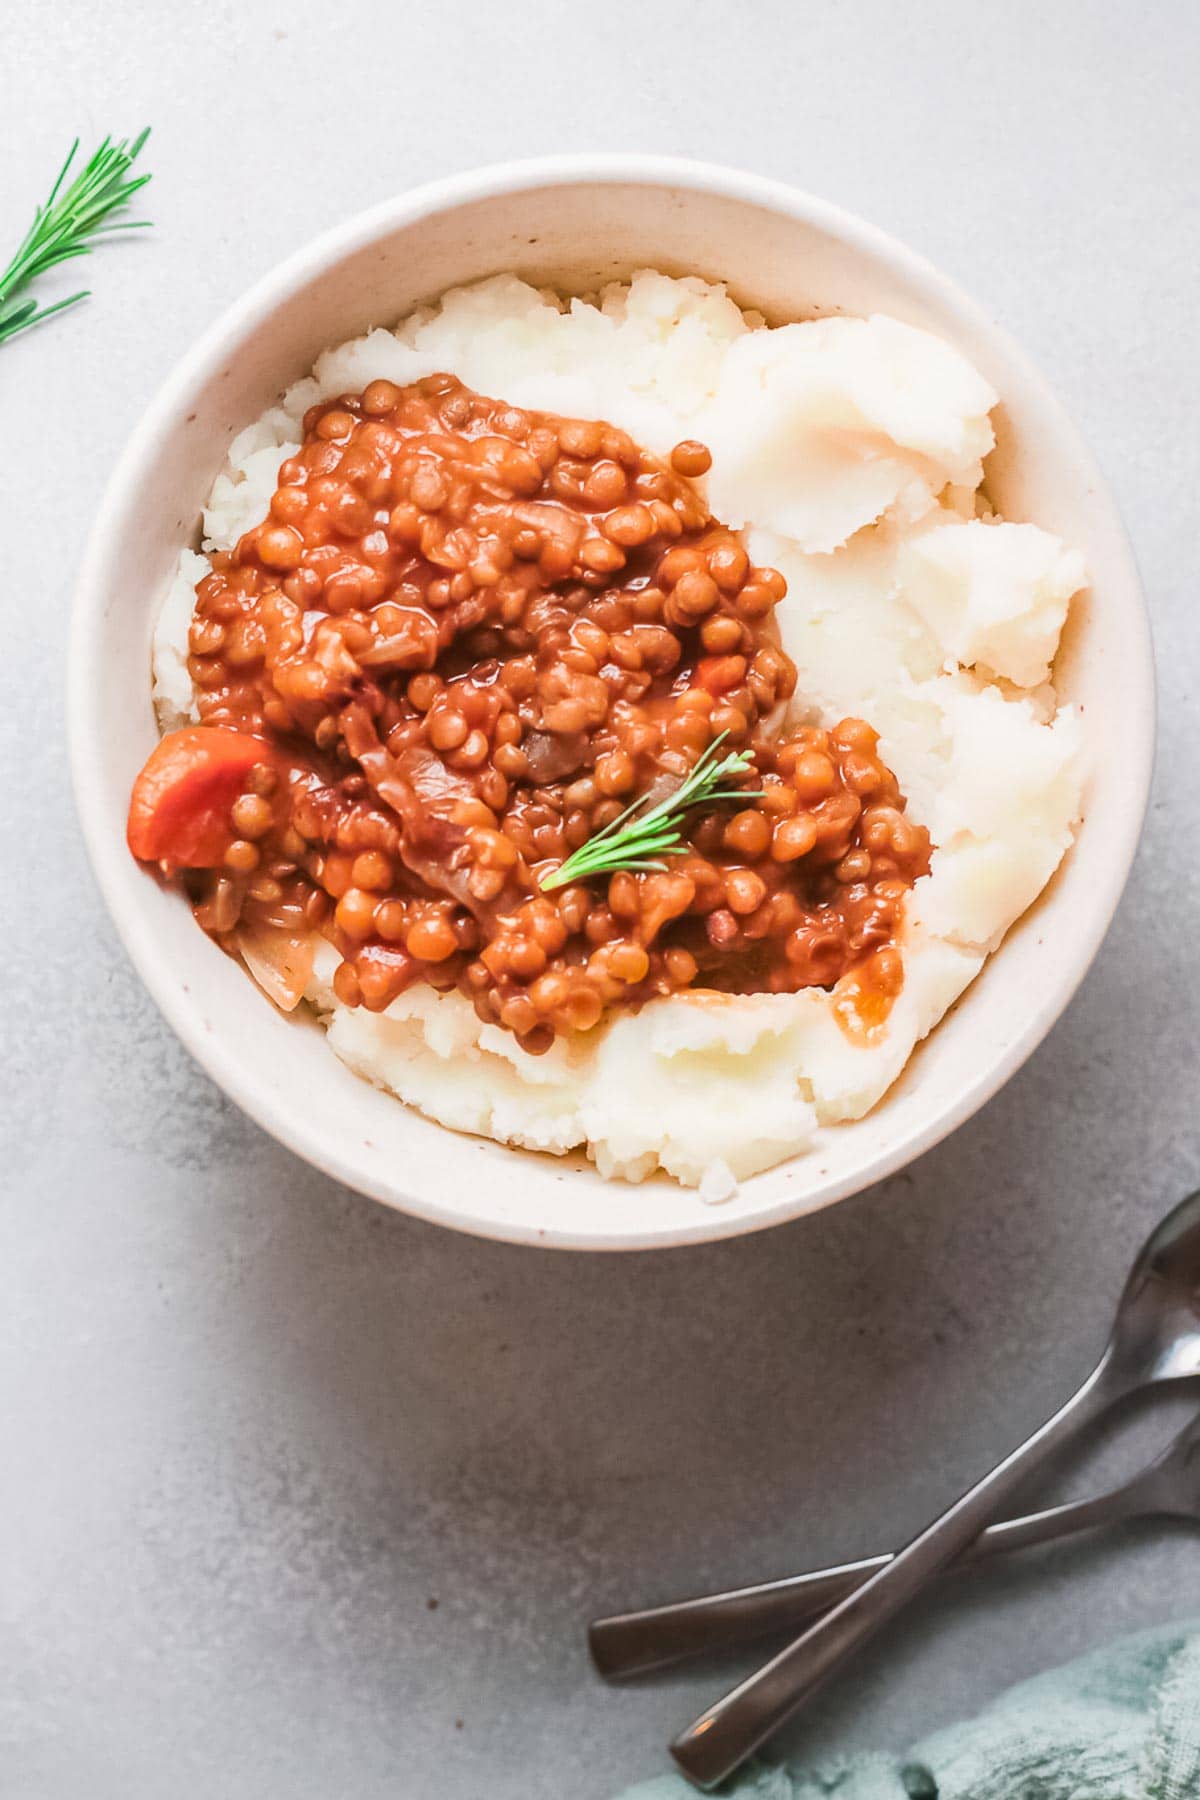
{"x": 254, "y": 1425}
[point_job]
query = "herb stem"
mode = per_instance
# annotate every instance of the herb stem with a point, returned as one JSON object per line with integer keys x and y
{"x": 67, "y": 225}
{"x": 638, "y": 840}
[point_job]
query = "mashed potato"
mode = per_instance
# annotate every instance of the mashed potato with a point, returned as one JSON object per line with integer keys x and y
{"x": 849, "y": 452}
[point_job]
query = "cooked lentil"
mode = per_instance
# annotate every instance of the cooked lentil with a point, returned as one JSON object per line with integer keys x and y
{"x": 465, "y": 637}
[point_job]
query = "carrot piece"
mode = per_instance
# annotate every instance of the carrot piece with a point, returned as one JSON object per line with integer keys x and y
{"x": 179, "y": 810}
{"x": 718, "y": 674}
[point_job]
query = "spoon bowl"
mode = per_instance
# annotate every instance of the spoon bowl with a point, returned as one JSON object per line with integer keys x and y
{"x": 1156, "y": 1336}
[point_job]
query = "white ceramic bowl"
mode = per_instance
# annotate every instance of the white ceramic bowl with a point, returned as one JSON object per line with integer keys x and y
{"x": 575, "y": 223}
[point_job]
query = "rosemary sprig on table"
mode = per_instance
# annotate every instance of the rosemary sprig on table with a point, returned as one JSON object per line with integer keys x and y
{"x": 638, "y": 840}
{"x": 67, "y": 225}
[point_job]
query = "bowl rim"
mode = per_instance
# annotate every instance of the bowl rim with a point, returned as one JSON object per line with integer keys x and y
{"x": 107, "y": 853}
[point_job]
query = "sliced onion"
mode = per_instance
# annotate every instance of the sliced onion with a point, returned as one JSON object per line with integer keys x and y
{"x": 411, "y": 644}
{"x": 550, "y": 758}
{"x": 430, "y": 779}
{"x": 661, "y": 788}
{"x": 280, "y": 961}
{"x": 421, "y": 791}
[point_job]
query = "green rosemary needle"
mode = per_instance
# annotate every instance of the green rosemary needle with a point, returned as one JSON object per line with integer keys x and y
{"x": 68, "y": 225}
{"x": 639, "y": 840}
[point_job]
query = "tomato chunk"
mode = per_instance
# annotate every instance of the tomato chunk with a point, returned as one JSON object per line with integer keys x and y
{"x": 179, "y": 811}
{"x": 719, "y": 674}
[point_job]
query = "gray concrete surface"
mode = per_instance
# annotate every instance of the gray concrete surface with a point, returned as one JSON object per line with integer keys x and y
{"x": 300, "y": 1499}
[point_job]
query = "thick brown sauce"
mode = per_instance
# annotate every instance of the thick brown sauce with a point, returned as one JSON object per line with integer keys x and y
{"x": 467, "y": 636}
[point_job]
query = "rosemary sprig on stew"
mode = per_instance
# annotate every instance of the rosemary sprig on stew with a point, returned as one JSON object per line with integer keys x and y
{"x": 67, "y": 225}
{"x": 638, "y": 840}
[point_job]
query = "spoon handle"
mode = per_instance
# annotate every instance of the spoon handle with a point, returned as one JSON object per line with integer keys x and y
{"x": 715, "y": 1744}
{"x": 634, "y": 1643}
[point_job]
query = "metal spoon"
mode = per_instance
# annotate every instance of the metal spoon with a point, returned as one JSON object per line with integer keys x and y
{"x": 636, "y": 1642}
{"x": 1155, "y": 1337}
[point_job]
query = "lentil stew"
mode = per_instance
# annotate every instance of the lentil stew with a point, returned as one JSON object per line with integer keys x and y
{"x": 466, "y": 637}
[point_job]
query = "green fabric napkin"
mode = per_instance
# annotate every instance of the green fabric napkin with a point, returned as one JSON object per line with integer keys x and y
{"x": 1121, "y": 1724}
